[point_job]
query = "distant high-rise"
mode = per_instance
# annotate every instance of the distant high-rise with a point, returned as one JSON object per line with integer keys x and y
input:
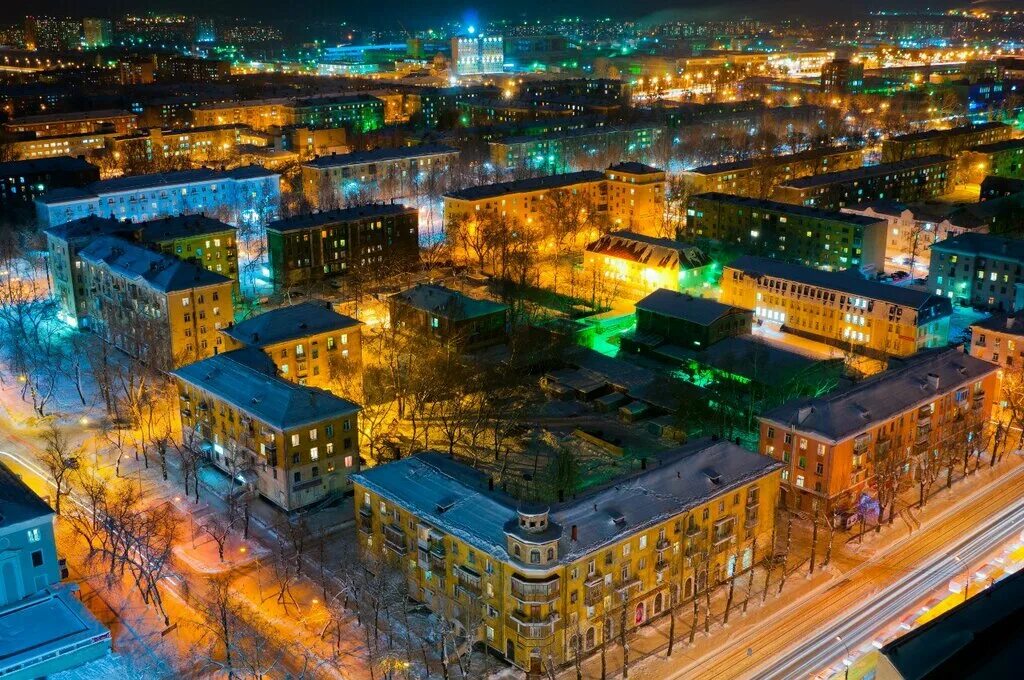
{"x": 52, "y": 33}
{"x": 475, "y": 54}
{"x": 97, "y": 32}
{"x": 205, "y": 31}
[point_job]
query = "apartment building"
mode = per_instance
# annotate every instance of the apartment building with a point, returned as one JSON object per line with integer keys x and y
{"x": 327, "y": 181}
{"x": 535, "y": 582}
{"x": 629, "y": 195}
{"x": 998, "y": 159}
{"x": 449, "y": 316}
{"x": 23, "y": 181}
{"x": 195, "y": 144}
{"x": 27, "y": 146}
{"x": 950, "y": 142}
{"x": 999, "y": 339}
{"x": 243, "y": 195}
{"x": 633, "y": 265}
{"x": 915, "y": 179}
{"x": 74, "y": 123}
{"x": 204, "y": 241}
{"x": 823, "y": 239}
{"x": 295, "y": 445}
{"x": 759, "y": 177}
{"x": 67, "y": 274}
{"x": 564, "y": 151}
{"x": 979, "y": 270}
{"x": 162, "y": 310}
{"x": 49, "y": 630}
{"x": 832, "y": 446}
{"x": 309, "y": 343}
{"x": 317, "y": 246}
{"x": 841, "y": 309}
{"x": 258, "y": 114}
{"x": 685, "y": 321}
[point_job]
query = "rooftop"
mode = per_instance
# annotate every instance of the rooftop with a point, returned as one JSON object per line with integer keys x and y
{"x": 377, "y": 155}
{"x": 153, "y": 181}
{"x": 866, "y": 172}
{"x": 851, "y": 411}
{"x": 810, "y": 154}
{"x": 787, "y": 208}
{"x": 317, "y": 219}
{"x": 1001, "y": 323}
{"x": 288, "y": 323}
{"x": 696, "y": 310}
{"x": 451, "y": 304}
{"x": 1006, "y": 144}
{"x": 181, "y": 226}
{"x": 18, "y": 503}
{"x": 49, "y": 625}
{"x": 572, "y": 134}
{"x": 988, "y": 245}
{"x": 934, "y": 134}
{"x": 456, "y": 498}
{"x": 38, "y": 165}
{"x": 43, "y": 118}
{"x": 980, "y": 638}
{"x": 635, "y": 168}
{"x": 524, "y": 185}
{"x": 90, "y": 226}
{"x": 649, "y": 250}
{"x": 846, "y": 281}
{"x": 161, "y": 272}
{"x": 251, "y": 385}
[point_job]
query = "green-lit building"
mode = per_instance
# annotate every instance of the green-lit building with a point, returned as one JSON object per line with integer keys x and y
{"x": 359, "y": 112}
{"x": 817, "y": 238}
{"x": 999, "y": 159}
{"x": 557, "y": 152}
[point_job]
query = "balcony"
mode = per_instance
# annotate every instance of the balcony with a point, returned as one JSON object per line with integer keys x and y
{"x": 662, "y": 545}
{"x": 467, "y": 580}
{"x": 693, "y": 530}
{"x": 750, "y": 519}
{"x": 535, "y": 591}
{"x": 722, "y": 542}
{"x": 661, "y": 565}
{"x": 978, "y": 401}
{"x": 533, "y": 628}
{"x": 365, "y": 512}
{"x": 860, "y": 444}
{"x": 437, "y": 557}
{"x": 394, "y": 540}
{"x": 627, "y": 585}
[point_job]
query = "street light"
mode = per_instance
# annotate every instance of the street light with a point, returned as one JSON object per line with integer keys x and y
{"x": 967, "y": 576}
{"x": 839, "y": 638}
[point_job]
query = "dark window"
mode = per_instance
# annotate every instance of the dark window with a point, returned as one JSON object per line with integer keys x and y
{"x": 37, "y": 558}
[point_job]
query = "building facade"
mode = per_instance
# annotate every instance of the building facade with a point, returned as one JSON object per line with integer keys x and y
{"x": 309, "y": 343}
{"x": 162, "y": 310}
{"x": 817, "y": 238}
{"x": 377, "y": 237}
{"x": 758, "y": 178}
{"x": 632, "y": 265}
{"x": 22, "y": 182}
{"x": 689, "y": 322}
{"x": 916, "y": 179}
{"x": 628, "y": 195}
{"x": 837, "y": 308}
{"x": 295, "y": 445}
{"x": 556, "y": 152}
{"x": 330, "y": 181}
{"x": 249, "y": 195}
{"x": 203, "y": 241}
{"x": 74, "y": 123}
{"x": 950, "y": 142}
{"x": 477, "y": 54}
{"x": 448, "y": 316}
{"x": 837, "y": 447}
{"x": 979, "y": 270}
{"x": 540, "y": 584}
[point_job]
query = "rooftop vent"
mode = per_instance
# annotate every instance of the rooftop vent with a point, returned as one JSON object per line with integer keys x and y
{"x": 713, "y": 475}
{"x": 933, "y": 380}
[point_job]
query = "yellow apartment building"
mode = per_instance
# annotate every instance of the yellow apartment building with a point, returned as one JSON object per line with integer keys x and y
{"x": 841, "y": 309}
{"x": 294, "y": 445}
{"x": 537, "y": 582}
{"x": 309, "y": 343}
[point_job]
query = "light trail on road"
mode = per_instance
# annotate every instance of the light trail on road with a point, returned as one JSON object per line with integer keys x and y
{"x": 858, "y": 627}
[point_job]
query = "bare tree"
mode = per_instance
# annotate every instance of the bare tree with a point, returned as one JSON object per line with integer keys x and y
{"x": 61, "y": 458}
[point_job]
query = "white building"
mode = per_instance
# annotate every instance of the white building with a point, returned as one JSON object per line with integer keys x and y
{"x": 476, "y": 54}
{"x": 250, "y": 195}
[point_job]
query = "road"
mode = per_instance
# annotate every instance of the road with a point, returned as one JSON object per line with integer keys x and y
{"x": 800, "y": 640}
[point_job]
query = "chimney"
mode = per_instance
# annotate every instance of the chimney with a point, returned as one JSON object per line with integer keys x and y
{"x": 1009, "y": 322}
{"x": 933, "y": 381}
{"x": 575, "y": 533}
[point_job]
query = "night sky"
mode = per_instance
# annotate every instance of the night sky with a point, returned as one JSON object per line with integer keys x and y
{"x": 381, "y": 12}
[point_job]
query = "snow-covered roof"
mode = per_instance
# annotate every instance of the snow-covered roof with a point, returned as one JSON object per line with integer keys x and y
{"x": 649, "y": 250}
{"x": 457, "y": 499}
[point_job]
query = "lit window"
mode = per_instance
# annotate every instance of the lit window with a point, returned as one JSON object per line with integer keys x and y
{"x": 34, "y": 536}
